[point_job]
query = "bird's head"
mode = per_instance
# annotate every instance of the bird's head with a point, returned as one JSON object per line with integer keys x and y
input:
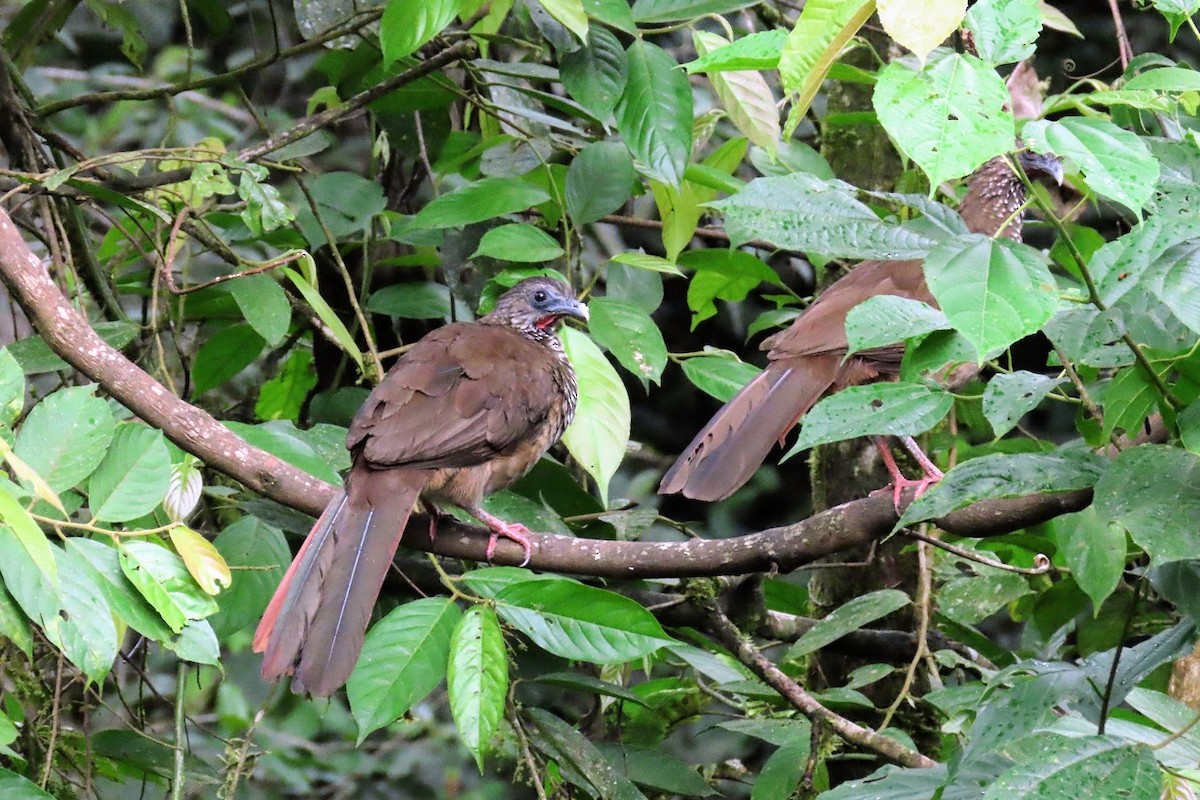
{"x": 1041, "y": 166}
{"x": 536, "y": 306}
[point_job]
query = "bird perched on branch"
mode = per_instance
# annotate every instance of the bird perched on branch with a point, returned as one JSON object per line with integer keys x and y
{"x": 808, "y": 360}
{"x": 464, "y": 413}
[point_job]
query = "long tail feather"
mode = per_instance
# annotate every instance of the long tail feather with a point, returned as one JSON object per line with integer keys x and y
{"x": 315, "y": 624}
{"x": 734, "y": 443}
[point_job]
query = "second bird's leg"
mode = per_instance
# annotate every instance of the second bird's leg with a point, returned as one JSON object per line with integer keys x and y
{"x": 930, "y": 473}
{"x": 513, "y": 531}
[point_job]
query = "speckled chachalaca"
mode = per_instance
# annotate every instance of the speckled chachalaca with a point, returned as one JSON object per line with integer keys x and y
{"x": 807, "y": 361}
{"x": 466, "y": 412}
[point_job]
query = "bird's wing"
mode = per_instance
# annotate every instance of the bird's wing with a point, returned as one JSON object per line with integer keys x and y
{"x": 464, "y": 394}
{"x": 822, "y": 328}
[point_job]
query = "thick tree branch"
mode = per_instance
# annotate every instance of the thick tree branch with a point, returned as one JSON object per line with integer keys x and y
{"x": 785, "y": 548}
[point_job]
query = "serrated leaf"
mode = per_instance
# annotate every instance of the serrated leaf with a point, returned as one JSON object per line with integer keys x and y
{"x": 631, "y": 335}
{"x": 921, "y": 25}
{"x": 519, "y": 242}
{"x": 406, "y": 26}
{"x": 164, "y": 580}
{"x": 599, "y": 434}
{"x": 203, "y": 560}
{"x": 887, "y": 319}
{"x": 654, "y": 113}
{"x": 821, "y": 31}
{"x": 949, "y": 117}
{"x": 993, "y": 291}
{"x": 803, "y": 212}
{"x": 477, "y": 679}
{"x": 581, "y": 622}
{"x": 847, "y": 618}
{"x": 1009, "y": 397}
{"x": 133, "y": 477}
{"x": 1154, "y": 492}
{"x": 1004, "y": 475}
{"x": 599, "y": 181}
{"x": 403, "y": 658}
{"x": 719, "y": 376}
{"x": 1005, "y": 30}
{"x": 1114, "y": 162}
{"x": 66, "y": 436}
{"x": 879, "y": 409}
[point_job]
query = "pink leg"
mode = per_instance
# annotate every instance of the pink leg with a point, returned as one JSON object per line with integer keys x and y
{"x": 514, "y": 531}
{"x": 433, "y": 513}
{"x": 930, "y": 473}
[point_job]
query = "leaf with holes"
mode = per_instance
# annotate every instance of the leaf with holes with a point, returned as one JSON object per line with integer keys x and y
{"x": 631, "y": 335}
{"x": 1115, "y": 163}
{"x": 477, "y": 679}
{"x": 878, "y": 409}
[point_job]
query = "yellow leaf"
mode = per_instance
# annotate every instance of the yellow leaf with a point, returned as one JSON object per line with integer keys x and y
{"x": 25, "y": 472}
{"x": 921, "y": 25}
{"x": 202, "y": 560}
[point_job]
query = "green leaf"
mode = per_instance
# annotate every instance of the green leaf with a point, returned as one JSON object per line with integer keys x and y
{"x": 14, "y": 626}
{"x": 753, "y": 51}
{"x": 283, "y": 396}
{"x": 631, "y": 335}
{"x": 196, "y": 643}
{"x": 35, "y": 591}
{"x": 1154, "y": 491}
{"x": 1004, "y": 475}
{"x": 949, "y": 117}
{"x": 132, "y": 479}
{"x": 578, "y": 758}
{"x": 1114, "y": 162}
{"x": 519, "y": 242}
{"x": 1095, "y": 552}
{"x": 878, "y": 409}
{"x": 970, "y": 600}
{"x": 803, "y": 212}
{"x": 12, "y": 388}
{"x": 654, "y": 768}
{"x": 745, "y": 95}
{"x": 422, "y": 300}
{"x": 295, "y": 446}
{"x": 35, "y": 356}
{"x": 722, "y": 274}
{"x": 15, "y": 787}
{"x": 570, "y": 13}
{"x": 1080, "y": 766}
{"x": 848, "y": 618}
{"x": 264, "y": 304}
{"x": 29, "y": 536}
{"x": 887, "y": 319}
{"x": 599, "y": 434}
{"x": 719, "y": 376}
{"x": 599, "y": 181}
{"x": 164, "y": 580}
{"x": 648, "y": 262}
{"x": 581, "y": 682}
{"x": 478, "y": 201}
{"x": 65, "y": 436}
{"x": 1009, "y": 397}
{"x": 406, "y": 26}
{"x": 226, "y": 353}
{"x": 403, "y": 659}
{"x": 993, "y": 291}
{"x": 477, "y": 679}
{"x": 821, "y": 31}
{"x": 581, "y": 623}
{"x": 326, "y": 315}
{"x": 595, "y": 74}
{"x": 654, "y": 113}
{"x": 1005, "y": 30}
{"x": 1174, "y": 278}
{"x": 123, "y": 598}
{"x": 84, "y": 630}
{"x": 782, "y": 772}
{"x": 647, "y": 12}
{"x": 776, "y": 731}
{"x": 258, "y": 556}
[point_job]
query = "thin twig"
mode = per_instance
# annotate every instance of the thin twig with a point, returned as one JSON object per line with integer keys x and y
{"x": 1043, "y": 563}
{"x": 1124, "y": 50}
{"x": 1112, "y": 672}
{"x": 54, "y": 721}
{"x": 180, "y": 731}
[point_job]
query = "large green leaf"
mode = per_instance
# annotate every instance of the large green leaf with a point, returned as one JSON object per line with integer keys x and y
{"x": 886, "y": 319}
{"x": 417, "y": 300}
{"x": 15, "y": 787}
{"x": 133, "y": 477}
{"x": 654, "y": 113}
{"x": 257, "y": 555}
{"x": 84, "y": 631}
{"x": 949, "y": 117}
{"x": 1089, "y": 766}
{"x": 581, "y": 762}
{"x": 599, "y": 434}
{"x": 580, "y": 622}
{"x": 1008, "y": 397}
{"x": 719, "y": 376}
{"x": 722, "y": 274}
{"x": 878, "y": 409}
{"x": 35, "y": 591}
{"x": 66, "y": 436}
{"x": 406, "y": 26}
{"x": 993, "y": 291}
{"x": 647, "y": 12}
{"x": 163, "y": 579}
{"x": 631, "y": 335}
{"x": 782, "y": 772}
{"x": 847, "y": 618}
{"x": 753, "y": 51}
{"x": 264, "y": 304}
{"x": 477, "y": 679}
{"x": 595, "y": 74}
{"x": 1116, "y": 163}
{"x": 403, "y": 659}
{"x": 478, "y": 201}
{"x": 123, "y": 597}
{"x": 599, "y": 181}
{"x": 1005, "y": 30}
{"x": 745, "y": 95}
{"x": 1094, "y": 548}
{"x": 29, "y": 536}
{"x": 226, "y": 353}
{"x": 1154, "y": 491}
{"x": 519, "y": 242}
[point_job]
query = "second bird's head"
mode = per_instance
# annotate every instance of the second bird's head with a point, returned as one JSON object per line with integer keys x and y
{"x": 538, "y": 304}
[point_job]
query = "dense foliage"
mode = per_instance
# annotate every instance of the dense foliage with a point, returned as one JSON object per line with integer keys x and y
{"x": 259, "y": 205}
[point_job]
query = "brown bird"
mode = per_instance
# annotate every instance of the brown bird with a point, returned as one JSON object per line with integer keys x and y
{"x": 807, "y": 361}
{"x": 466, "y": 412}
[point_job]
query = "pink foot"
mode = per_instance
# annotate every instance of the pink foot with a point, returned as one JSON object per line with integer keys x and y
{"x": 931, "y": 474}
{"x": 514, "y": 531}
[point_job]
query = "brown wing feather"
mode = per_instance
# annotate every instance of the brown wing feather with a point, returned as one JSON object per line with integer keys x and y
{"x": 462, "y": 395}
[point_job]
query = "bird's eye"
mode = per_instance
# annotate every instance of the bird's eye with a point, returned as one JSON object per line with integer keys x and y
{"x": 540, "y": 296}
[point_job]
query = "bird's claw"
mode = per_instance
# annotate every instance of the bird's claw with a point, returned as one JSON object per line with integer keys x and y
{"x": 921, "y": 485}
{"x": 513, "y": 531}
